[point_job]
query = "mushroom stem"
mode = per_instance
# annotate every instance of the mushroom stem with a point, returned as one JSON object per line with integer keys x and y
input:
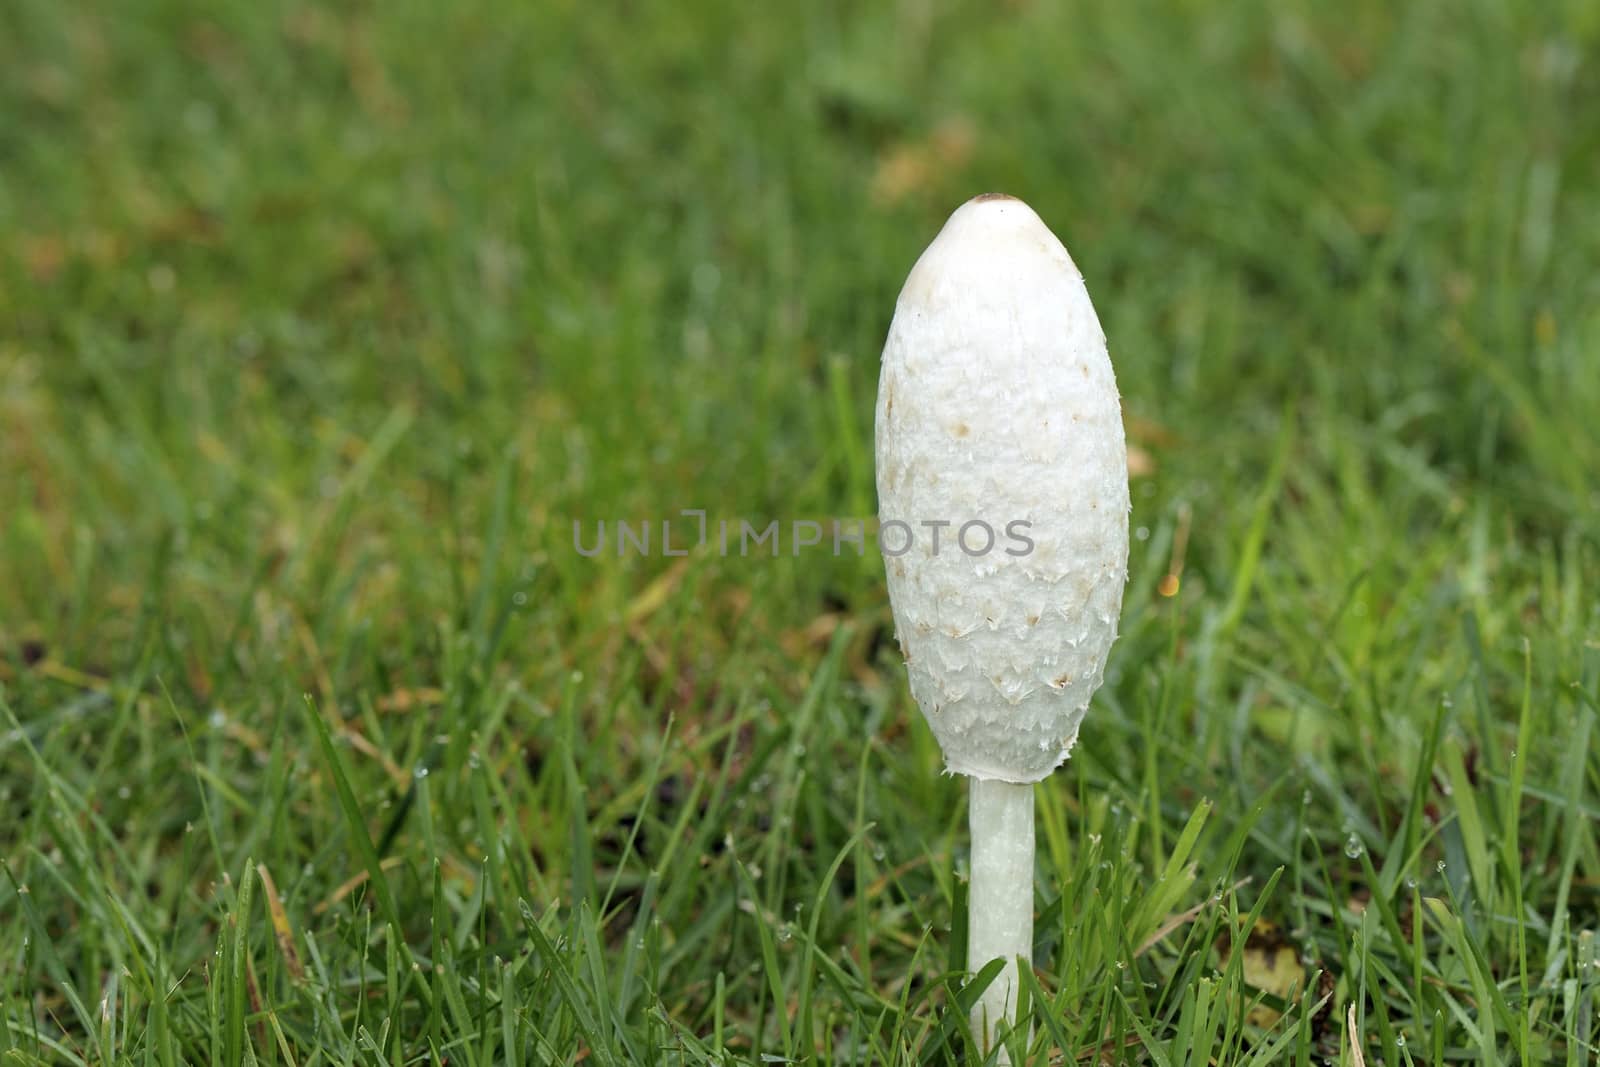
{"x": 1000, "y": 897}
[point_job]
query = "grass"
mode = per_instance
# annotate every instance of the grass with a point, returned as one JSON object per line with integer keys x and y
{"x": 320, "y": 324}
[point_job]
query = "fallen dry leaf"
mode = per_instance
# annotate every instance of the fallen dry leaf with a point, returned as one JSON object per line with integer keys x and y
{"x": 44, "y": 256}
{"x": 908, "y": 167}
{"x": 1271, "y": 964}
{"x": 280, "y": 924}
{"x": 406, "y": 699}
{"x": 1357, "y": 1057}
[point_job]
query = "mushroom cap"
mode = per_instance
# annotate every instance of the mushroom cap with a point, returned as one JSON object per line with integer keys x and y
{"x": 997, "y": 406}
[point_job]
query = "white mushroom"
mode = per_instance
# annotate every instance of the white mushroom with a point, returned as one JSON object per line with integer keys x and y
{"x": 998, "y": 411}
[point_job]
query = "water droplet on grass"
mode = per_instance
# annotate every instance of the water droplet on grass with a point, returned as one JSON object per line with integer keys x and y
{"x": 1352, "y": 847}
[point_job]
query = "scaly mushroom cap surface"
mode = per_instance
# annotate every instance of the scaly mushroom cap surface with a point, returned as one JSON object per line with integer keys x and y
{"x": 997, "y": 405}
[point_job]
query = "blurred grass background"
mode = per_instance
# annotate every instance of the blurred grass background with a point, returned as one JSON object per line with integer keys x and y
{"x": 320, "y": 324}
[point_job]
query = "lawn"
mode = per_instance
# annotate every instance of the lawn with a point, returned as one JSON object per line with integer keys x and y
{"x": 322, "y": 324}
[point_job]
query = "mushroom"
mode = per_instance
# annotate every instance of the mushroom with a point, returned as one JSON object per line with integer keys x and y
{"x": 998, "y": 411}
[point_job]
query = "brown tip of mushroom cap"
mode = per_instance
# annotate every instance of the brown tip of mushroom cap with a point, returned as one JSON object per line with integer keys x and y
{"x": 983, "y": 198}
